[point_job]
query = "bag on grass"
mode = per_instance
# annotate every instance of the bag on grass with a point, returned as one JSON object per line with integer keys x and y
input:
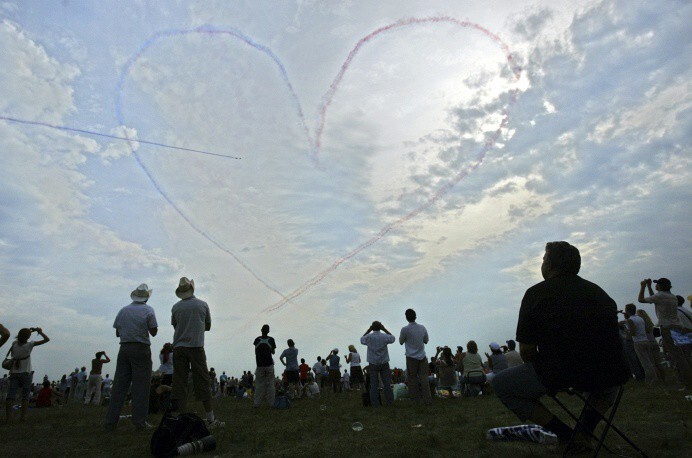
{"x": 282, "y": 402}
{"x": 176, "y": 431}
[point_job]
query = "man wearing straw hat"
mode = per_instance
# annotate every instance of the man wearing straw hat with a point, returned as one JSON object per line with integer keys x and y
{"x": 190, "y": 318}
{"x": 133, "y": 325}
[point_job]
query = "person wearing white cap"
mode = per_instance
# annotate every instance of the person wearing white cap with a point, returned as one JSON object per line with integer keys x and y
{"x": 133, "y": 325}
{"x": 496, "y": 361}
{"x": 191, "y": 318}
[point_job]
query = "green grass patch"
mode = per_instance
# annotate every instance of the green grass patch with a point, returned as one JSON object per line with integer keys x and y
{"x": 657, "y": 419}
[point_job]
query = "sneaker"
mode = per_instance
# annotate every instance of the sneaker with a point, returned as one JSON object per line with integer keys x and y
{"x": 216, "y": 423}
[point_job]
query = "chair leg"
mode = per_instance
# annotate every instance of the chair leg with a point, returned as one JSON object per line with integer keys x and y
{"x": 608, "y": 422}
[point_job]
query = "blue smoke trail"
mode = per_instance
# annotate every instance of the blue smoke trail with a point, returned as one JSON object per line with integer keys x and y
{"x": 121, "y": 119}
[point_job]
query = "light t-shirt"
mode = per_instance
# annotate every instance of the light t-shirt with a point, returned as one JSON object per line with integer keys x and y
{"x": 107, "y": 383}
{"x": 414, "y": 336}
{"x": 312, "y": 389}
{"x": 291, "y": 355}
{"x": 190, "y": 318}
{"x": 472, "y": 363}
{"x": 639, "y": 334}
{"x": 513, "y": 358}
{"x": 20, "y": 351}
{"x": 133, "y": 323}
{"x": 666, "y": 307}
{"x": 377, "y": 342}
{"x": 167, "y": 367}
{"x": 317, "y": 367}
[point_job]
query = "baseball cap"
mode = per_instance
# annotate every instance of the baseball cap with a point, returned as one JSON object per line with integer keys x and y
{"x": 494, "y": 346}
{"x": 664, "y": 282}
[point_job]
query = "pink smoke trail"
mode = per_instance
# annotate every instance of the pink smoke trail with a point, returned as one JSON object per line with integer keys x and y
{"x": 329, "y": 95}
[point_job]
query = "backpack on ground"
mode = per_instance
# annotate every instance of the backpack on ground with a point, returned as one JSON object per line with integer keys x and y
{"x": 282, "y": 402}
{"x": 176, "y": 431}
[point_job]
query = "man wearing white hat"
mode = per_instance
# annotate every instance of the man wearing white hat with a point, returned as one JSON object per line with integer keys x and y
{"x": 133, "y": 325}
{"x": 191, "y": 318}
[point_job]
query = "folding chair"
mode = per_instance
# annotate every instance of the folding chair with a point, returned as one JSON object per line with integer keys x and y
{"x": 608, "y": 420}
{"x": 472, "y": 384}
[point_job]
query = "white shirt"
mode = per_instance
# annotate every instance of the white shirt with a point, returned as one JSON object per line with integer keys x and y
{"x": 133, "y": 323}
{"x": 355, "y": 359}
{"x": 414, "y": 336}
{"x": 167, "y": 367}
{"x": 22, "y": 351}
{"x": 639, "y": 334}
{"x": 666, "y": 307}
{"x": 107, "y": 382}
{"x": 377, "y": 342}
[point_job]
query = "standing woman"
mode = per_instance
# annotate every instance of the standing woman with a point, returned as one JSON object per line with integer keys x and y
{"x": 654, "y": 349}
{"x": 353, "y": 358}
{"x": 21, "y": 374}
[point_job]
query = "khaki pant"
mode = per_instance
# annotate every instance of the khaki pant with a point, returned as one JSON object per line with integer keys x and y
{"x": 94, "y": 386}
{"x": 646, "y": 358}
{"x": 677, "y": 354}
{"x": 186, "y": 360}
{"x": 265, "y": 391}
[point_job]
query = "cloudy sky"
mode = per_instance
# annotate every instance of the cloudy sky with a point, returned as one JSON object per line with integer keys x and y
{"x": 391, "y": 155}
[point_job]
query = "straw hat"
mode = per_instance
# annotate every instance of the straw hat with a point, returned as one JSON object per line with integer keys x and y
{"x": 141, "y": 294}
{"x": 186, "y": 288}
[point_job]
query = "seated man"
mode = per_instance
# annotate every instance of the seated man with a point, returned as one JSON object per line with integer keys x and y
{"x": 568, "y": 337}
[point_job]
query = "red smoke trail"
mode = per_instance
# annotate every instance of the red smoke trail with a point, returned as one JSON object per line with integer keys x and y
{"x": 329, "y": 95}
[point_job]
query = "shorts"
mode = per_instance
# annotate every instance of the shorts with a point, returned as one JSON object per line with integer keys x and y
{"x": 186, "y": 360}
{"x": 21, "y": 380}
{"x": 292, "y": 376}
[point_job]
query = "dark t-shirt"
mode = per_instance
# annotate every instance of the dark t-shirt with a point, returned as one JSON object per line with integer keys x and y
{"x": 264, "y": 348}
{"x": 574, "y": 324}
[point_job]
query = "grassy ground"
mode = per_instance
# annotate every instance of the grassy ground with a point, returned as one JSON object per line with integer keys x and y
{"x": 658, "y": 420}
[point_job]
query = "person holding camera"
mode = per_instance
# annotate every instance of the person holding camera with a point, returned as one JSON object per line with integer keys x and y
{"x": 378, "y": 356}
{"x": 666, "y": 308}
{"x": 95, "y": 379}
{"x": 4, "y": 335}
{"x": 21, "y": 374}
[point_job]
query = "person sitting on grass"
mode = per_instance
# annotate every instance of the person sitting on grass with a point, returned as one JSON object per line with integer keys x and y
{"x": 445, "y": 370}
{"x": 497, "y": 362}
{"x": 472, "y": 369}
{"x": 21, "y": 374}
{"x": 311, "y": 389}
{"x": 568, "y": 337}
{"x": 46, "y": 394}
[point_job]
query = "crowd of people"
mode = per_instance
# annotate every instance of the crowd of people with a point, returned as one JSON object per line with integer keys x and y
{"x": 568, "y": 331}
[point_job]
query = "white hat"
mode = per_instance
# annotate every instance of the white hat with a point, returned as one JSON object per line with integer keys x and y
{"x": 186, "y": 288}
{"x": 494, "y": 346}
{"x": 141, "y": 294}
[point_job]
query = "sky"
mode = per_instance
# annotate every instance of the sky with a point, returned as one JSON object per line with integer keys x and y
{"x": 337, "y": 163}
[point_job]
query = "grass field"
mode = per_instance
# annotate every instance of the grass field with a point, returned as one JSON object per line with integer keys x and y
{"x": 658, "y": 420}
